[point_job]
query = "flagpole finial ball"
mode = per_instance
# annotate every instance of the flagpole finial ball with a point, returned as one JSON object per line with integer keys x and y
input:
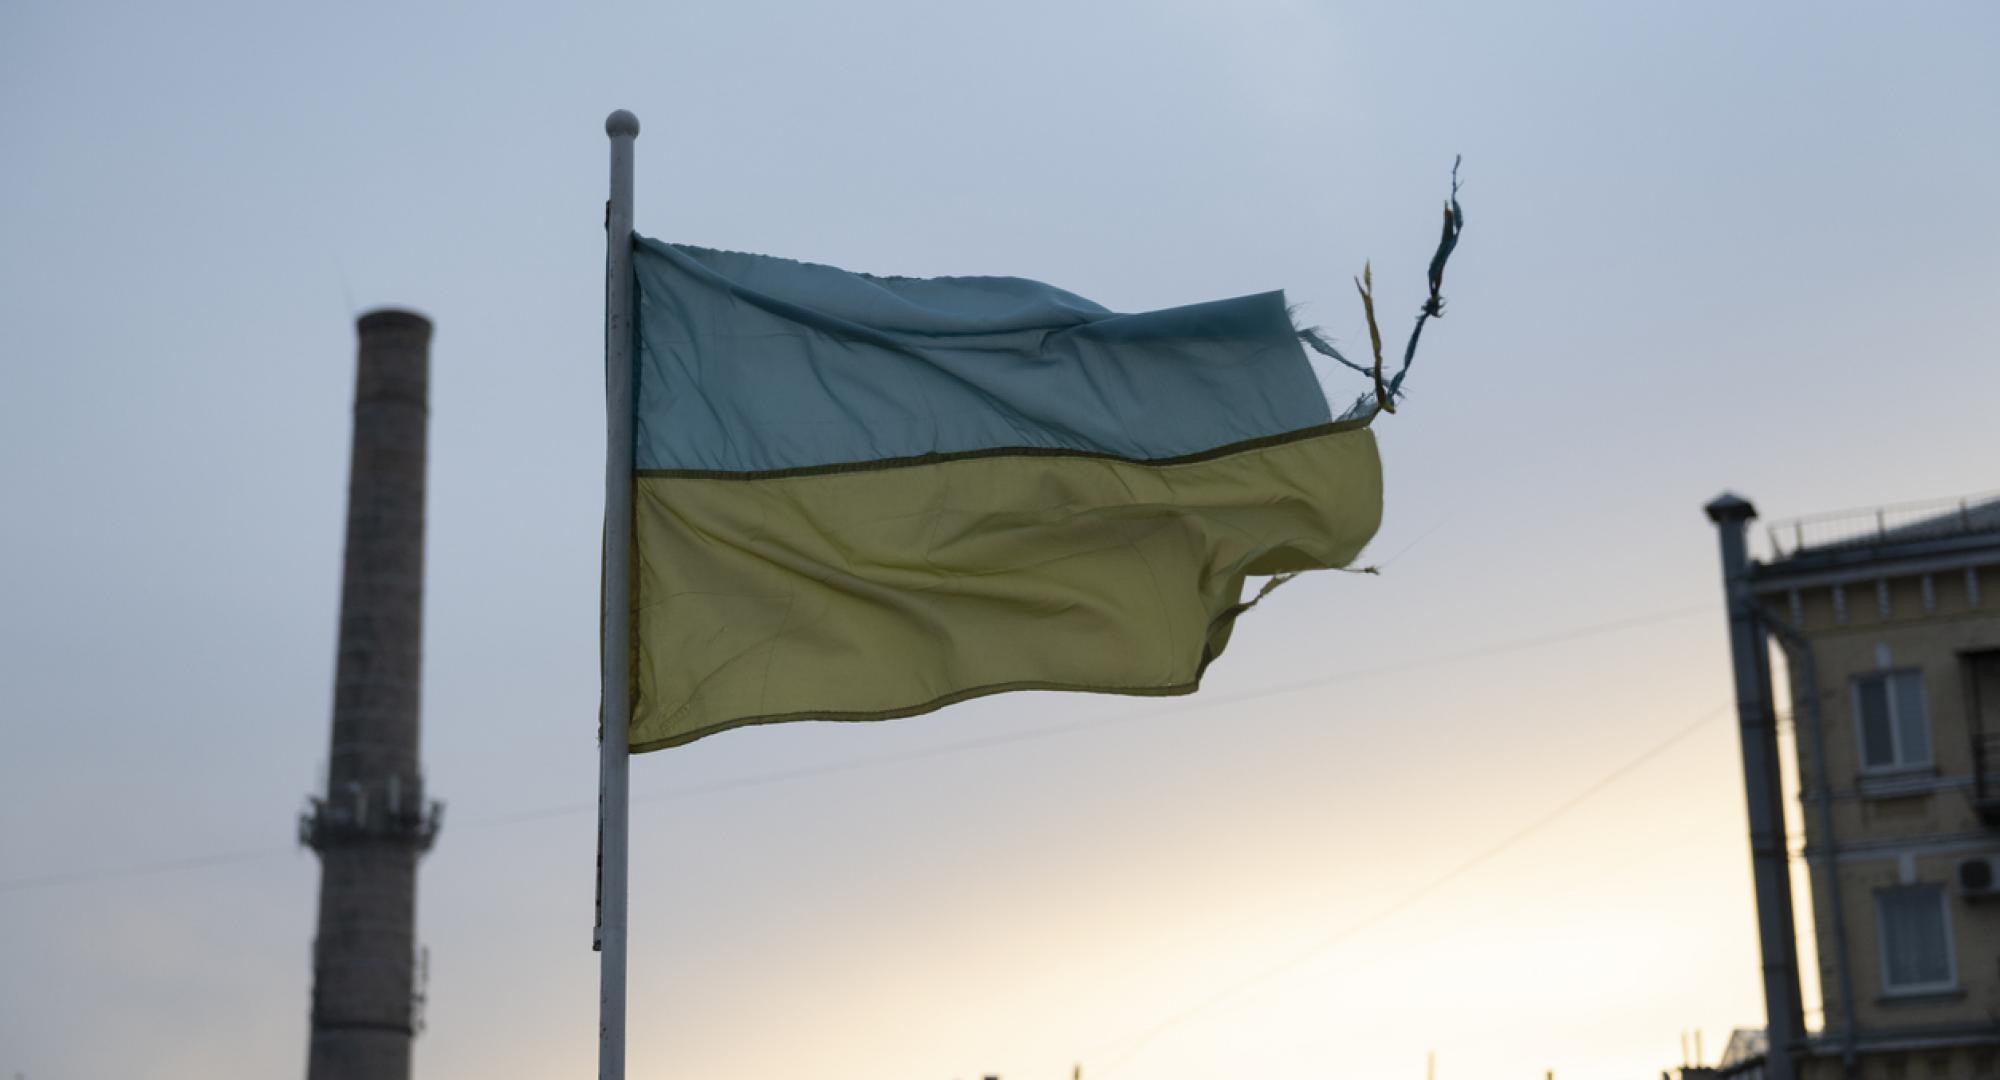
{"x": 621, "y": 123}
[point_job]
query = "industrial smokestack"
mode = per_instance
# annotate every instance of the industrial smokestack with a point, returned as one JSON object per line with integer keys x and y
{"x": 372, "y": 822}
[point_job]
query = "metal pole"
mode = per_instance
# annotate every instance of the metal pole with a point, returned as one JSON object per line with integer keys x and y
{"x": 1757, "y": 722}
{"x": 616, "y": 706}
{"x": 1800, "y": 652}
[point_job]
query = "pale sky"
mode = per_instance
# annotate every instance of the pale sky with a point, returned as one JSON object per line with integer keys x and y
{"x": 1708, "y": 246}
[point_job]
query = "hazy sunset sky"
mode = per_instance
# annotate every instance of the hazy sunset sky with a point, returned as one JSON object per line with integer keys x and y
{"x": 1708, "y": 246}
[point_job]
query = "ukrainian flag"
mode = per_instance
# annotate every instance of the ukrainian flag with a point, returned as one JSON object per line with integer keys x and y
{"x": 864, "y": 497}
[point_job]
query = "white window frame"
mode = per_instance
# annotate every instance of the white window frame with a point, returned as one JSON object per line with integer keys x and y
{"x": 1900, "y": 764}
{"x": 1950, "y": 983}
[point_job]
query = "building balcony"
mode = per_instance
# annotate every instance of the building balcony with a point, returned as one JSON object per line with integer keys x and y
{"x": 1986, "y": 777}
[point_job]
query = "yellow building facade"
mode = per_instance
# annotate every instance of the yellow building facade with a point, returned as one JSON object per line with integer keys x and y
{"x": 1889, "y": 625}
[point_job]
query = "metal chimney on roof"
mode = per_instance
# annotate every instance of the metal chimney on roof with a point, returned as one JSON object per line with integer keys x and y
{"x": 372, "y": 823}
{"x": 1757, "y": 725}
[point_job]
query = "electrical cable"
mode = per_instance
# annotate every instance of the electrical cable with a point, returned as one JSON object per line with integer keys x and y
{"x": 23, "y": 884}
{"x": 1421, "y": 892}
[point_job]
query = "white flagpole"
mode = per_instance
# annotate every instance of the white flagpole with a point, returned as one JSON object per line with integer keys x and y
{"x": 613, "y": 804}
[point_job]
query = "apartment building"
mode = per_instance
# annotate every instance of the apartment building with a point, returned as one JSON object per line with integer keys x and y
{"x": 1888, "y": 622}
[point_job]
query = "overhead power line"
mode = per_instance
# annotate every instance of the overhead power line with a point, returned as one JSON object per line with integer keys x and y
{"x": 192, "y": 862}
{"x": 783, "y": 776}
{"x": 1415, "y": 895}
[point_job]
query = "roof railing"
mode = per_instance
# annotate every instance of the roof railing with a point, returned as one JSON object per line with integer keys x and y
{"x": 1927, "y": 520}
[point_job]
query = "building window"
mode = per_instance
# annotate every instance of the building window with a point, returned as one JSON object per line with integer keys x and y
{"x": 1916, "y": 940}
{"x": 1895, "y": 732}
